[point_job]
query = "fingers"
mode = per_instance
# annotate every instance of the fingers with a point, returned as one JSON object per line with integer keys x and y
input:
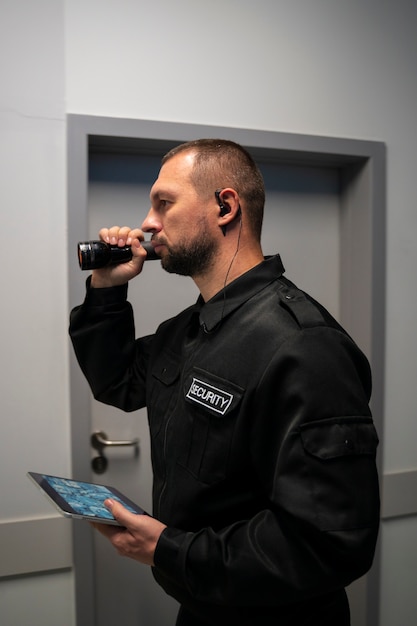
{"x": 120, "y": 513}
{"x": 120, "y": 236}
{"x": 138, "y": 536}
{"x": 113, "y": 275}
{"x": 106, "y": 529}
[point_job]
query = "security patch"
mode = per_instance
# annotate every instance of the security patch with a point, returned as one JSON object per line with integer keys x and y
{"x": 209, "y": 396}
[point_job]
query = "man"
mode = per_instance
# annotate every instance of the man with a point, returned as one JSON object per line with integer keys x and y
{"x": 265, "y": 492}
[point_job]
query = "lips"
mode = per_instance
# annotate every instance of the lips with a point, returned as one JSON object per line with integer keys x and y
{"x": 157, "y": 244}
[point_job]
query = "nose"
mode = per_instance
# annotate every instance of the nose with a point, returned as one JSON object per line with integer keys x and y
{"x": 151, "y": 223}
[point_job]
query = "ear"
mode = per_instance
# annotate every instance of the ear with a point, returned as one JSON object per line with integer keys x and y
{"x": 229, "y": 206}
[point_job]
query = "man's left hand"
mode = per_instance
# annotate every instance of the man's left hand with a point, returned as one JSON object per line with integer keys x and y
{"x": 137, "y": 536}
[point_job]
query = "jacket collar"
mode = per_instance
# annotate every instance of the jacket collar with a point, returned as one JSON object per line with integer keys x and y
{"x": 238, "y": 292}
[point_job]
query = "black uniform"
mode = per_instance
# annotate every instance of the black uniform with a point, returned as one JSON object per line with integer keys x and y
{"x": 263, "y": 446}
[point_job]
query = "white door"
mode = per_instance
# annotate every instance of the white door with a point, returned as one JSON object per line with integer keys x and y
{"x": 301, "y": 223}
{"x": 126, "y": 592}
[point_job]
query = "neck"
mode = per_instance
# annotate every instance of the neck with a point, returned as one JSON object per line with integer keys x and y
{"x": 227, "y": 267}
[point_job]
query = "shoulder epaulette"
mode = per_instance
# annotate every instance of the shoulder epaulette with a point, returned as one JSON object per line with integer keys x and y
{"x": 303, "y": 310}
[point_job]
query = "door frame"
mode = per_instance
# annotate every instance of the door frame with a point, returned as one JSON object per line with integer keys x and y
{"x": 362, "y": 168}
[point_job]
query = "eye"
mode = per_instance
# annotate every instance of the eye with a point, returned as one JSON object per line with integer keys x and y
{"x": 161, "y": 199}
{"x": 164, "y": 203}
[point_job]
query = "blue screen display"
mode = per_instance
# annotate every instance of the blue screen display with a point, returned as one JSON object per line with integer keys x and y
{"x": 85, "y": 498}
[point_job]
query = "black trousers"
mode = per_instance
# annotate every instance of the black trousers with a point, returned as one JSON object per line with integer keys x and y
{"x": 334, "y": 612}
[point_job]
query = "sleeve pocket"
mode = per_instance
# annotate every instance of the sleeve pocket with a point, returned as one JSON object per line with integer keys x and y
{"x": 339, "y": 456}
{"x": 331, "y": 439}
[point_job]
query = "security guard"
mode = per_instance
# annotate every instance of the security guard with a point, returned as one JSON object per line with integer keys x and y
{"x": 265, "y": 496}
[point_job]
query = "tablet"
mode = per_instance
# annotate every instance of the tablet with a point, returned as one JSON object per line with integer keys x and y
{"x": 81, "y": 500}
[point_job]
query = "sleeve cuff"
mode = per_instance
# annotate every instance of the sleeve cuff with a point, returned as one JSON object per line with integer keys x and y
{"x": 105, "y": 295}
{"x": 168, "y": 553}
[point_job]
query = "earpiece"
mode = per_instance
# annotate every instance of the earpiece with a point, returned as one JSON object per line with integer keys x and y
{"x": 224, "y": 208}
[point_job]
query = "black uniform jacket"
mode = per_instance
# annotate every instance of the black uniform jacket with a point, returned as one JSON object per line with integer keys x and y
{"x": 263, "y": 445}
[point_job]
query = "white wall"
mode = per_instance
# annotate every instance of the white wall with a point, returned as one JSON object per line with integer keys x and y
{"x": 326, "y": 67}
{"x": 321, "y": 67}
{"x": 33, "y": 314}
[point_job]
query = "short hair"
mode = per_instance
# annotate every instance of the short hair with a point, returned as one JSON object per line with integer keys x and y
{"x": 221, "y": 163}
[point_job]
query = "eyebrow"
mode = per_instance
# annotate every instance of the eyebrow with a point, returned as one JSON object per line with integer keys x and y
{"x": 164, "y": 192}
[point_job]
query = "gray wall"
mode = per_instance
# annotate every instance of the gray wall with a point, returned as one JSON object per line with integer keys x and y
{"x": 317, "y": 67}
{"x": 36, "y": 582}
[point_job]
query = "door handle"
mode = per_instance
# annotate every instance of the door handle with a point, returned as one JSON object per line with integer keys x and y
{"x": 100, "y": 442}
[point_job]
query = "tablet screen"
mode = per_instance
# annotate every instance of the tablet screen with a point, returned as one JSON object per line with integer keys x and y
{"x": 82, "y": 499}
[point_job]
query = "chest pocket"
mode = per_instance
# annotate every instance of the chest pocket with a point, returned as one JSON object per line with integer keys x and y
{"x": 211, "y": 408}
{"x": 163, "y": 391}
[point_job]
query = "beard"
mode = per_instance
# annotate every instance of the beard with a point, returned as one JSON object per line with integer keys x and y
{"x": 192, "y": 258}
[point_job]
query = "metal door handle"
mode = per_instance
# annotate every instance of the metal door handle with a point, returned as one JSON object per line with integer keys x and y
{"x": 99, "y": 441}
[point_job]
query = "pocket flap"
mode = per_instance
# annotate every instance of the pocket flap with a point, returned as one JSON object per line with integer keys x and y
{"x": 166, "y": 371}
{"x": 337, "y": 437}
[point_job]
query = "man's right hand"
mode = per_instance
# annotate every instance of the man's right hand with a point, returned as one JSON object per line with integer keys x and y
{"x": 112, "y": 276}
